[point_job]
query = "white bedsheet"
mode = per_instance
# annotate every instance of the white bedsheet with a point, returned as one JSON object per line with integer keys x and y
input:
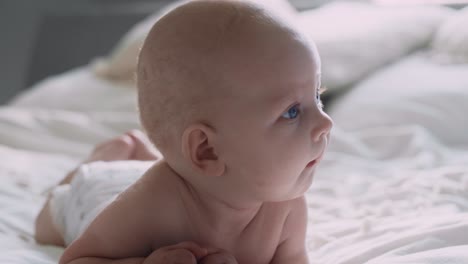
{"x": 382, "y": 195}
{"x": 390, "y": 195}
{"x": 24, "y": 177}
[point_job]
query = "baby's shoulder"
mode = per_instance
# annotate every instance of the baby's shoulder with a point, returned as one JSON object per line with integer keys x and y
{"x": 143, "y": 216}
{"x": 156, "y": 191}
{"x": 153, "y": 204}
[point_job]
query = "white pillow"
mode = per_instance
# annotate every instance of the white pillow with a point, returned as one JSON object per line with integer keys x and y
{"x": 78, "y": 90}
{"x": 354, "y": 39}
{"x": 414, "y": 91}
{"x": 121, "y": 64}
{"x": 450, "y": 44}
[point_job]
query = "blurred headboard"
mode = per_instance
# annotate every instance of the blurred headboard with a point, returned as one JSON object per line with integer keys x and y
{"x": 64, "y": 42}
{"x": 71, "y": 37}
{"x": 47, "y": 37}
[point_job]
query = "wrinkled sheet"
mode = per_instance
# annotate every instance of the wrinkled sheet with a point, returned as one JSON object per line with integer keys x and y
{"x": 390, "y": 195}
{"x": 387, "y": 195}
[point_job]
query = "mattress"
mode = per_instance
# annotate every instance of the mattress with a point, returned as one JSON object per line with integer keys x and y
{"x": 391, "y": 193}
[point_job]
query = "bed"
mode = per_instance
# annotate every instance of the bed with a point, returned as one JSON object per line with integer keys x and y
{"x": 393, "y": 187}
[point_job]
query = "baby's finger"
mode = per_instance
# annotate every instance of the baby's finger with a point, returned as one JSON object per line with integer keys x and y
{"x": 165, "y": 255}
{"x": 197, "y": 251}
{"x": 216, "y": 258}
{"x": 180, "y": 255}
{"x": 212, "y": 250}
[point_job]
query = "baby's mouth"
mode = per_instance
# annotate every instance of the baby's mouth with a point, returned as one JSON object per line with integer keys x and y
{"x": 315, "y": 161}
{"x": 312, "y": 163}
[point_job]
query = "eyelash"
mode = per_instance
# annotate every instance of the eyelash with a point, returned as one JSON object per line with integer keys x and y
{"x": 320, "y": 91}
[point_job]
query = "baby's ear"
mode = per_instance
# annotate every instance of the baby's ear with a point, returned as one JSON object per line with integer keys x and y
{"x": 199, "y": 150}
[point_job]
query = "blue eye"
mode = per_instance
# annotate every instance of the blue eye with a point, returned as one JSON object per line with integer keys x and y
{"x": 292, "y": 112}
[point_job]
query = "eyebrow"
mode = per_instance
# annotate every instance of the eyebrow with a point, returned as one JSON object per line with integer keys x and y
{"x": 280, "y": 100}
{"x": 279, "y": 104}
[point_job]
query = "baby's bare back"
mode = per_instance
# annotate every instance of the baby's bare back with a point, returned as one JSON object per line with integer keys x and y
{"x": 152, "y": 214}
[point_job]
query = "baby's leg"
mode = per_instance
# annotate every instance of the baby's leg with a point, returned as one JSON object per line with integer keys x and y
{"x": 133, "y": 145}
{"x": 130, "y": 146}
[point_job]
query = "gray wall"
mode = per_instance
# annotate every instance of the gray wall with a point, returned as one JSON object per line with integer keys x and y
{"x": 18, "y": 23}
{"x": 43, "y": 37}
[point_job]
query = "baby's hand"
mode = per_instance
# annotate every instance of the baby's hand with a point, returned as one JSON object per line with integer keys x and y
{"x": 219, "y": 257}
{"x": 182, "y": 253}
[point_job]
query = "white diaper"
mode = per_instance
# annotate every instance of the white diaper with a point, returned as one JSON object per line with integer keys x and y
{"x": 74, "y": 206}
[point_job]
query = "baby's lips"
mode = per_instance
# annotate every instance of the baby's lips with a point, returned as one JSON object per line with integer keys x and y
{"x": 316, "y": 160}
{"x": 311, "y": 163}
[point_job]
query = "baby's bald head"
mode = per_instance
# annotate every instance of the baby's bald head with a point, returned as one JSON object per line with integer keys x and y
{"x": 185, "y": 65}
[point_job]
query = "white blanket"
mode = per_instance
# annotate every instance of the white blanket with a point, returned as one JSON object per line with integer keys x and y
{"x": 382, "y": 195}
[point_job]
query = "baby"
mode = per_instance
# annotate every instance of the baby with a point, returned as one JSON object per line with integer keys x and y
{"x": 229, "y": 95}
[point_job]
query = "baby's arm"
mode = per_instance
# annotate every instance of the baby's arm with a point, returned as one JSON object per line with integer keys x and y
{"x": 182, "y": 253}
{"x": 292, "y": 249}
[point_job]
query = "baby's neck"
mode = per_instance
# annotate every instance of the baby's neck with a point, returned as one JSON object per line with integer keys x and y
{"x": 217, "y": 212}
{"x": 220, "y": 213}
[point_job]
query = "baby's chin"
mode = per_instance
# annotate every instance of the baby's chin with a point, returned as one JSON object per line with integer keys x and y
{"x": 297, "y": 192}
{"x": 287, "y": 198}
{"x": 302, "y": 187}
{"x": 302, "y": 190}
{"x": 299, "y": 189}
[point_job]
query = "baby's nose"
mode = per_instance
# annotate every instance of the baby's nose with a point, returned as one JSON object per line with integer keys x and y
{"x": 322, "y": 126}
